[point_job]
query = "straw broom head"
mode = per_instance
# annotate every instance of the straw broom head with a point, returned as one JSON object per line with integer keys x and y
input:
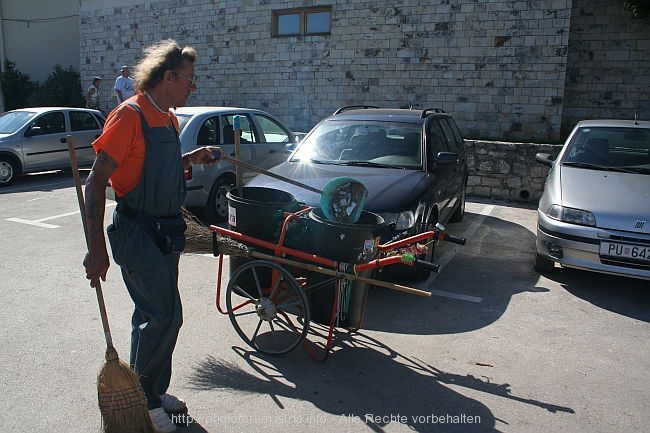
{"x": 121, "y": 399}
{"x": 198, "y": 237}
{"x": 230, "y": 247}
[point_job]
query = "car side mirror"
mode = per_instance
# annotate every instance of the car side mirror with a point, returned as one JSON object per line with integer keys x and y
{"x": 544, "y": 158}
{"x": 447, "y": 158}
{"x": 296, "y": 139}
{"x": 443, "y": 158}
{"x": 33, "y": 130}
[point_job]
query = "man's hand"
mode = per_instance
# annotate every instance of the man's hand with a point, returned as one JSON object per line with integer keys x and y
{"x": 96, "y": 267}
{"x": 203, "y": 155}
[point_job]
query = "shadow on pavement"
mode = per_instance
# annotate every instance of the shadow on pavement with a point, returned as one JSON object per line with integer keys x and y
{"x": 371, "y": 384}
{"x": 626, "y": 296}
{"x": 500, "y": 254}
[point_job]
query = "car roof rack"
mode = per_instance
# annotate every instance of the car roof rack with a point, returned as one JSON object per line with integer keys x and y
{"x": 352, "y": 107}
{"x": 428, "y": 111}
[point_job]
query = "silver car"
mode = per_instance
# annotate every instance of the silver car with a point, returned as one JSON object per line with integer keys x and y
{"x": 594, "y": 213}
{"x": 264, "y": 143}
{"x": 35, "y": 139}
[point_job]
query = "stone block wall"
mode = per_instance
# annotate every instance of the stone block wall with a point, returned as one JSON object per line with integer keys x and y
{"x": 497, "y": 66}
{"x": 608, "y": 70}
{"x": 506, "y": 171}
{"x": 506, "y": 70}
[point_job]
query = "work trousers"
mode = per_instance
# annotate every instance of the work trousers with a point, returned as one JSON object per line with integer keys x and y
{"x": 151, "y": 278}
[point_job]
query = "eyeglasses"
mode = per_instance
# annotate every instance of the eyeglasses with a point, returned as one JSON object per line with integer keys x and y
{"x": 192, "y": 81}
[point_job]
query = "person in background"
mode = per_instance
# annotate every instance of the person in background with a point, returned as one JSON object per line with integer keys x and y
{"x": 124, "y": 85}
{"x": 92, "y": 95}
{"x": 139, "y": 152}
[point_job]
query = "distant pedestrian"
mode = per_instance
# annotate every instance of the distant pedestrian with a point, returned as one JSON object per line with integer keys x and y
{"x": 124, "y": 85}
{"x": 92, "y": 95}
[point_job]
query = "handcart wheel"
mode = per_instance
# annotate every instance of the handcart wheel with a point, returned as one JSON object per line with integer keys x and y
{"x": 267, "y": 307}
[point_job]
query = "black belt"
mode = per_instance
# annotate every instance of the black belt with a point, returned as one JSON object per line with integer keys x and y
{"x": 123, "y": 209}
{"x": 127, "y": 211}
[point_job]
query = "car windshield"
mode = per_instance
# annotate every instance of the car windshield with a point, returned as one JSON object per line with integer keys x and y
{"x": 610, "y": 148}
{"x": 11, "y": 121}
{"x": 363, "y": 143}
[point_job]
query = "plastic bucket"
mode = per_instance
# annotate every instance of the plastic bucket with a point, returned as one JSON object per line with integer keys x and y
{"x": 349, "y": 243}
{"x": 258, "y": 212}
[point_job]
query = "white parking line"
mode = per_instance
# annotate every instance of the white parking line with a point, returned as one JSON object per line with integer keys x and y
{"x": 447, "y": 256}
{"x": 40, "y": 223}
{"x": 460, "y": 296}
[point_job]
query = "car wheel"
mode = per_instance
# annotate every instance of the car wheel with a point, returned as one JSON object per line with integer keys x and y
{"x": 8, "y": 171}
{"x": 459, "y": 213}
{"x": 216, "y": 210}
{"x": 543, "y": 264}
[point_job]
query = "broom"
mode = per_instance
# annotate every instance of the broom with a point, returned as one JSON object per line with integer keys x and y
{"x": 122, "y": 402}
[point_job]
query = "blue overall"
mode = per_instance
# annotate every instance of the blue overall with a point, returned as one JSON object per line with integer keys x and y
{"x": 151, "y": 277}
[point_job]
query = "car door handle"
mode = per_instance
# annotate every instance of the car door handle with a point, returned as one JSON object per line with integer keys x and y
{"x": 272, "y": 151}
{"x": 233, "y": 154}
{"x": 63, "y": 140}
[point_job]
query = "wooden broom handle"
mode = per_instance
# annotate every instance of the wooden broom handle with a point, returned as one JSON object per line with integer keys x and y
{"x": 82, "y": 210}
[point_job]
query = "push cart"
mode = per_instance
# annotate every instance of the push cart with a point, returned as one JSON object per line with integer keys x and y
{"x": 304, "y": 270}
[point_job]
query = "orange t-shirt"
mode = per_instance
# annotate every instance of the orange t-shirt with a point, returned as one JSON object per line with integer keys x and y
{"x": 123, "y": 140}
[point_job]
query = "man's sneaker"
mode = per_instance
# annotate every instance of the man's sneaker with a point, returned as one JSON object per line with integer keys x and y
{"x": 161, "y": 422}
{"x": 172, "y": 404}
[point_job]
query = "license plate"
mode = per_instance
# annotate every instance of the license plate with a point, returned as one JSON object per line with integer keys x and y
{"x": 626, "y": 251}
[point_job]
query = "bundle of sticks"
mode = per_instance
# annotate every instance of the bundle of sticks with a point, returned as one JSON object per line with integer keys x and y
{"x": 198, "y": 235}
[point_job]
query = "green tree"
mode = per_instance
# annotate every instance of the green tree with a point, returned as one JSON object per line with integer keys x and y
{"x": 61, "y": 88}
{"x": 17, "y": 87}
{"x": 639, "y": 8}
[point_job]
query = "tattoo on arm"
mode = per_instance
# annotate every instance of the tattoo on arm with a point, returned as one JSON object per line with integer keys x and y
{"x": 104, "y": 160}
{"x": 96, "y": 182}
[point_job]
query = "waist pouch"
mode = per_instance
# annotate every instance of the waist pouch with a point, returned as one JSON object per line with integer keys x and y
{"x": 167, "y": 232}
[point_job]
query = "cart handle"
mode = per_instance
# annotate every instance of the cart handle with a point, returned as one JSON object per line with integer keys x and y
{"x": 437, "y": 234}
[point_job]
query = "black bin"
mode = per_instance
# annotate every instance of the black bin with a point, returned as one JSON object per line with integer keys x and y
{"x": 258, "y": 212}
{"x": 349, "y": 243}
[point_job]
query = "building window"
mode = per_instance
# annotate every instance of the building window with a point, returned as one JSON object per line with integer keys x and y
{"x": 304, "y": 21}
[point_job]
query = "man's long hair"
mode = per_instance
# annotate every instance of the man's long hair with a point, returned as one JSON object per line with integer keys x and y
{"x": 159, "y": 58}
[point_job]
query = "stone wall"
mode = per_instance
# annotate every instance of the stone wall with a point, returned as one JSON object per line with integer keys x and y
{"x": 506, "y": 171}
{"x": 508, "y": 70}
{"x": 608, "y": 64}
{"x": 497, "y": 66}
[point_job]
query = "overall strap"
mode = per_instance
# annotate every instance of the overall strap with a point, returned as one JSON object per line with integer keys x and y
{"x": 161, "y": 190}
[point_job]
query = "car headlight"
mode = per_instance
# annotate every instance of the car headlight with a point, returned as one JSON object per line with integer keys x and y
{"x": 403, "y": 220}
{"x": 571, "y": 215}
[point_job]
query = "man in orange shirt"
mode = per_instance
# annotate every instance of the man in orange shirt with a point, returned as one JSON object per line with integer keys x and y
{"x": 139, "y": 151}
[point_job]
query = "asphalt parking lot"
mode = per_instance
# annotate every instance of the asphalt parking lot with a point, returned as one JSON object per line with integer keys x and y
{"x": 496, "y": 348}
